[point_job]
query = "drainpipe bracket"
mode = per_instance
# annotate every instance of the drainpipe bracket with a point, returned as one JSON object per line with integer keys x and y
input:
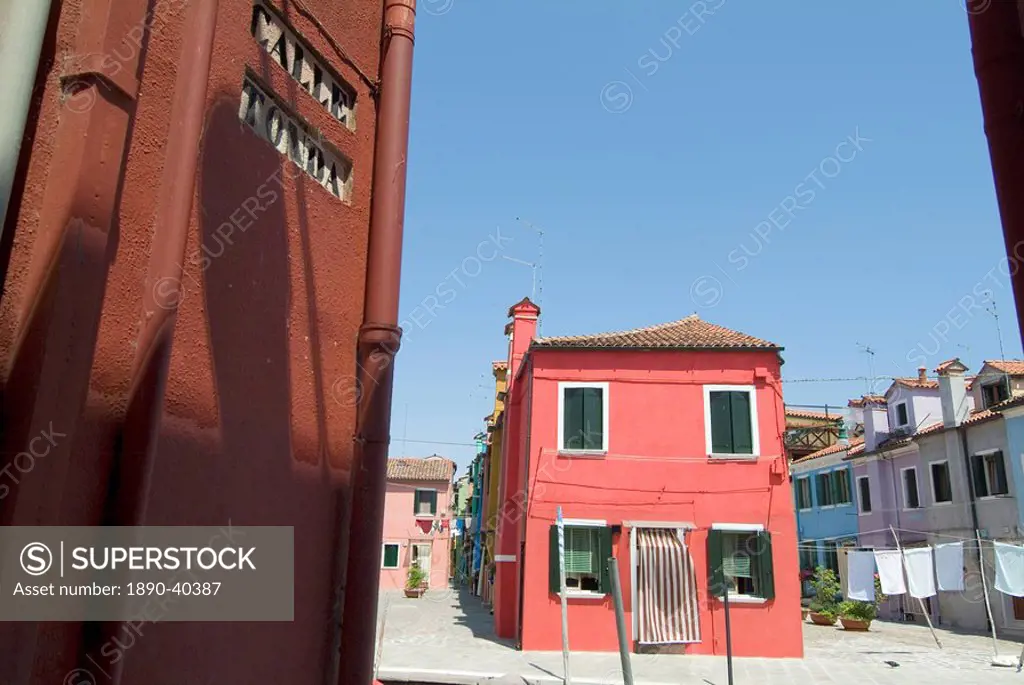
{"x": 88, "y": 70}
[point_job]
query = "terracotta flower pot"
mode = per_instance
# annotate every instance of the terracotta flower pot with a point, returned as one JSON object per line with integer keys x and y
{"x": 820, "y": 620}
{"x": 414, "y": 592}
{"x": 854, "y": 624}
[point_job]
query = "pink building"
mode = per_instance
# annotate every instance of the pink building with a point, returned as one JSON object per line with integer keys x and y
{"x": 664, "y": 447}
{"x": 417, "y": 520}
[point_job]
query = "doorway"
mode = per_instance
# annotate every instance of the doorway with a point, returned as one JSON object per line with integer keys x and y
{"x": 421, "y": 553}
{"x": 666, "y": 609}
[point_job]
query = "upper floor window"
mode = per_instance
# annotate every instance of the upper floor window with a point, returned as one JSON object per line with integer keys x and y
{"x": 730, "y": 420}
{"x": 942, "y": 486}
{"x": 902, "y": 417}
{"x": 994, "y": 393}
{"x": 989, "y": 473}
{"x": 826, "y": 491}
{"x": 911, "y": 497}
{"x": 425, "y": 502}
{"x": 583, "y": 417}
{"x": 803, "y": 493}
{"x": 841, "y": 483}
{"x": 864, "y": 490}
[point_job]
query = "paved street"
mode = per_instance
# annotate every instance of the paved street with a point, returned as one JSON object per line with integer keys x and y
{"x": 446, "y": 637}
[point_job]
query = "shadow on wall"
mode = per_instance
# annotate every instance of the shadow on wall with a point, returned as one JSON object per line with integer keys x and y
{"x": 247, "y": 470}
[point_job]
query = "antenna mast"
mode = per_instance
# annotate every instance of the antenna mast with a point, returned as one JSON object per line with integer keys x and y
{"x": 538, "y": 272}
{"x": 866, "y": 349}
{"x": 999, "y": 332}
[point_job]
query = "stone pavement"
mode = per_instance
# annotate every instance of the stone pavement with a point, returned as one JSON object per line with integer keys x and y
{"x": 447, "y": 637}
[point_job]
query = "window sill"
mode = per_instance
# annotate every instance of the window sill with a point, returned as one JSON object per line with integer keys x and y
{"x": 584, "y": 595}
{"x": 585, "y": 454}
{"x": 987, "y": 497}
{"x": 942, "y": 504}
{"x": 743, "y": 599}
{"x": 425, "y": 517}
{"x": 390, "y": 568}
{"x": 733, "y": 457}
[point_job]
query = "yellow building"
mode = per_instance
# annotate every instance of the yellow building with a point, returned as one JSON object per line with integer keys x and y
{"x": 493, "y": 471}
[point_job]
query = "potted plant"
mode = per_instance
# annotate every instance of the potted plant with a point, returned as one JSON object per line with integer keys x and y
{"x": 415, "y": 581}
{"x": 824, "y": 609}
{"x": 858, "y": 615}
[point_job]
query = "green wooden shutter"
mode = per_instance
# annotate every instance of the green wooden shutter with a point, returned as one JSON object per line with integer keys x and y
{"x": 834, "y": 482}
{"x": 765, "y": 567}
{"x": 819, "y": 480}
{"x": 554, "y": 577}
{"x": 742, "y": 433}
{"x": 721, "y": 423}
{"x": 432, "y": 498}
{"x": 978, "y": 471}
{"x": 390, "y": 555}
{"x": 593, "y": 419}
{"x": 572, "y": 428}
{"x": 604, "y": 552}
{"x": 1000, "y": 486}
{"x": 716, "y": 579}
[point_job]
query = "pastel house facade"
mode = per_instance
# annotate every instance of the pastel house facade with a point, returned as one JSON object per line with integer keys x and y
{"x": 417, "y": 520}
{"x": 663, "y": 446}
{"x": 826, "y": 509}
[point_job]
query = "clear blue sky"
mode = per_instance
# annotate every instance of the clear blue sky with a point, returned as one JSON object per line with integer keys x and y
{"x": 713, "y": 125}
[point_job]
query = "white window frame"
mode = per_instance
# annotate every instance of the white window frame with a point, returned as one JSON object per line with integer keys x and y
{"x": 860, "y": 502}
{"x": 741, "y": 528}
{"x": 903, "y": 487}
{"x": 810, "y": 491}
{"x": 571, "y": 593}
{"x": 755, "y": 436}
{"x": 566, "y": 385}
{"x": 931, "y": 481}
{"x": 383, "y": 556}
{"x": 437, "y": 500}
{"x": 896, "y": 412}
{"x": 988, "y": 486}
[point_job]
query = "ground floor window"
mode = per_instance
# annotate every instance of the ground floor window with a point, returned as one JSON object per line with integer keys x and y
{"x": 390, "y": 556}
{"x": 1018, "y": 608}
{"x": 832, "y": 557}
{"x": 587, "y": 549}
{"x": 741, "y": 560}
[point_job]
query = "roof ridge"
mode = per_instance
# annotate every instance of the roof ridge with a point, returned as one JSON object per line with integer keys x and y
{"x": 627, "y": 331}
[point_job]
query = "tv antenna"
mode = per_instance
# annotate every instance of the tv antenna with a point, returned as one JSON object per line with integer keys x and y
{"x": 866, "y": 349}
{"x": 991, "y": 309}
{"x": 538, "y": 269}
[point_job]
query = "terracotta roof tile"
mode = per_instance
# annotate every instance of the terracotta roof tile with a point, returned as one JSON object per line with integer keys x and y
{"x": 861, "y": 401}
{"x": 855, "y": 444}
{"x": 415, "y": 468}
{"x": 950, "y": 363}
{"x": 805, "y": 414}
{"x": 1013, "y": 367}
{"x": 688, "y": 333}
{"x": 917, "y": 383}
{"x": 1015, "y": 401}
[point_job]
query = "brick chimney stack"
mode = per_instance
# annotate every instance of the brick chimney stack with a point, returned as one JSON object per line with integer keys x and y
{"x": 922, "y": 374}
{"x": 521, "y": 332}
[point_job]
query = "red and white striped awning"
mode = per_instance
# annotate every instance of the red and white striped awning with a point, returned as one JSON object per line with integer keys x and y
{"x": 666, "y": 588}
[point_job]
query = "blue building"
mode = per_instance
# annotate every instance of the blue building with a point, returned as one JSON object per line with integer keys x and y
{"x": 476, "y": 505}
{"x": 826, "y": 510}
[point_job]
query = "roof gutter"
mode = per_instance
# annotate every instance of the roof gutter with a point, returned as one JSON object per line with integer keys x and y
{"x": 379, "y": 339}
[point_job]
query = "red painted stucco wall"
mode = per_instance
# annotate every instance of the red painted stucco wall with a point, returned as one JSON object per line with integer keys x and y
{"x": 656, "y": 470}
{"x": 258, "y": 417}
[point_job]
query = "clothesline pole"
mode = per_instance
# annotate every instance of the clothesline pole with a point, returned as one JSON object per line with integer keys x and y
{"x": 984, "y": 588}
{"x": 919, "y": 600}
{"x": 996, "y": 659}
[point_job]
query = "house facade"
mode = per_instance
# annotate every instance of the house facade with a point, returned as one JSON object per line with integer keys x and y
{"x": 826, "y": 511}
{"x": 663, "y": 446}
{"x": 933, "y": 474}
{"x": 417, "y": 521}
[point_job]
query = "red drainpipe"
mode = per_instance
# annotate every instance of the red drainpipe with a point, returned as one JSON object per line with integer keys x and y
{"x": 379, "y": 338}
{"x": 996, "y": 32}
{"x": 161, "y": 296}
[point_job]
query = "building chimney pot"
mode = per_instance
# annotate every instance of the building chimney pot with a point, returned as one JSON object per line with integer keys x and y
{"x": 922, "y": 374}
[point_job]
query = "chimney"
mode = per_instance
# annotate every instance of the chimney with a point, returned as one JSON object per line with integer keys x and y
{"x": 876, "y": 423}
{"x": 922, "y": 374}
{"x": 953, "y": 393}
{"x": 521, "y": 331}
{"x": 843, "y": 439}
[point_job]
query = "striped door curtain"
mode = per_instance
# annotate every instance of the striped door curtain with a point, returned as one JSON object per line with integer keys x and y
{"x": 666, "y": 589}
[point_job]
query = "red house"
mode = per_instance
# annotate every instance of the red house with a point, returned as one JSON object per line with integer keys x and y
{"x": 664, "y": 448}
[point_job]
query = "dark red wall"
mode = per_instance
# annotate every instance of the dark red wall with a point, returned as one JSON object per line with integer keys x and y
{"x": 257, "y": 423}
